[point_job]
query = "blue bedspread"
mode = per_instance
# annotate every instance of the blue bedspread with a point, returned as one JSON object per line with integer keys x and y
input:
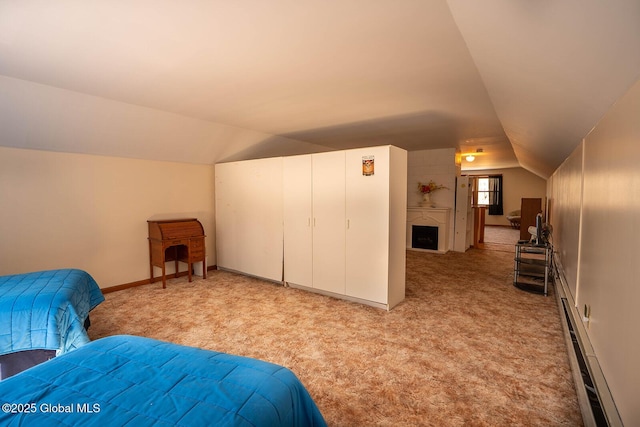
{"x": 134, "y": 381}
{"x": 46, "y": 310}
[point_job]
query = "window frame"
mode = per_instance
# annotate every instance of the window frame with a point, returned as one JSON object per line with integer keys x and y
{"x": 479, "y": 192}
{"x": 494, "y": 193}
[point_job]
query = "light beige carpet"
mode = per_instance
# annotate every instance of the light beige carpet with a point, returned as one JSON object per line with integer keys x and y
{"x": 501, "y": 235}
{"x": 466, "y": 348}
{"x": 498, "y": 238}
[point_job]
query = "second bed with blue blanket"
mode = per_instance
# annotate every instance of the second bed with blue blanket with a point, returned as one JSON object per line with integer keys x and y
{"x": 43, "y": 314}
{"x": 136, "y": 381}
{"x": 46, "y": 310}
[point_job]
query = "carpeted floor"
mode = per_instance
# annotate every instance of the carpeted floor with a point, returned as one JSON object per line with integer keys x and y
{"x": 499, "y": 238}
{"x": 501, "y": 235}
{"x": 466, "y": 348}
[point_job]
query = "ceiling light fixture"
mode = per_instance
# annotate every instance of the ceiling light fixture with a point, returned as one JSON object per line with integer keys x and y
{"x": 470, "y": 157}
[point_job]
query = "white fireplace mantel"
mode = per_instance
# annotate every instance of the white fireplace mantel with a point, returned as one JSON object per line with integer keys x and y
{"x": 434, "y": 217}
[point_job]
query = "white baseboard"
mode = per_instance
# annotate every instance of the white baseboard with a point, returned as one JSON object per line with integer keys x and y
{"x": 602, "y": 412}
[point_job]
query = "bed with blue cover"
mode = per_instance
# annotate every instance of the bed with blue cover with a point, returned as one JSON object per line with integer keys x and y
{"x": 45, "y": 311}
{"x": 135, "y": 381}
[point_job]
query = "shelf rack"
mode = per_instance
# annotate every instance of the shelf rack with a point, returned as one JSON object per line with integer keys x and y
{"x": 532, "y": 267}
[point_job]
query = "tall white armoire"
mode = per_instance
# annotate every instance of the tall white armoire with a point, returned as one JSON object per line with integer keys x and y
{"x": 332, "y": 223}
{"x": 314, "y": 218}
{"x": 353, "y": 224}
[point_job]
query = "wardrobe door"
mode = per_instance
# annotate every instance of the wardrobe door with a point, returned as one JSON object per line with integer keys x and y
{"x": 329, "y": 222}
{"x": 298, "y": 203}
{"x": 249, "y": 217}
{"x": 367, "y": 214}
{"x": 227, "y": 252}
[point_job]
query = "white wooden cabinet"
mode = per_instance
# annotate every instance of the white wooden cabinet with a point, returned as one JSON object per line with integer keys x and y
{"x": 342, "y": 224}
{"x": 376, "y": 217}
{"x": 357, "y": 224}
{"x": 314, "y": 221}
{"x": 249, "y": 217}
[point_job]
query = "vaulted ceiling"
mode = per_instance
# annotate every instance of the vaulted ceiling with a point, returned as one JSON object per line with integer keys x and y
{"x": 208, "y": 81}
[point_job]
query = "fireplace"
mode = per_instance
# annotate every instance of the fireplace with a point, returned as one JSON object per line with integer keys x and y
{"x": 424, "y": 237}
{"x": 428, "y": 229}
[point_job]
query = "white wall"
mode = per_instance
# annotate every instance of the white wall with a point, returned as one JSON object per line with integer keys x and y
{"x": 437, "y": 165}
{"x": 518, "y": 183}
{"x": 61, "y": 210}
{"x": 565, "y": 210}
{"x": 608, "y": 272}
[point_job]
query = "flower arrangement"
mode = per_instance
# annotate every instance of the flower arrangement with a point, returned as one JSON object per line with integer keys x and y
{"x": 429, "y": 188}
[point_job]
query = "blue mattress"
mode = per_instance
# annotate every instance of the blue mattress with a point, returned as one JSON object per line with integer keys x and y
{"x": 46, "y": 310}
{"x": 135, "y": 381}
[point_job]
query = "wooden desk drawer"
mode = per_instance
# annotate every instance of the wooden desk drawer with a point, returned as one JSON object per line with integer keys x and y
{"x": 197, "y": 244}
{"x": 197, "y": 253}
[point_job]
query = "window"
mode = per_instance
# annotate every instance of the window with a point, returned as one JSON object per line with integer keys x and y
{"x": 483, "y": 191}
{"x": 490, "y": 193}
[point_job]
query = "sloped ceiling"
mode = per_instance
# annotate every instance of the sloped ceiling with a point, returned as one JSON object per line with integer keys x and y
{"x": 209, "y": 81}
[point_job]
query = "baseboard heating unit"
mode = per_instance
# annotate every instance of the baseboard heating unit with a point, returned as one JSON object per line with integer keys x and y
{"x": 594, "y": 397}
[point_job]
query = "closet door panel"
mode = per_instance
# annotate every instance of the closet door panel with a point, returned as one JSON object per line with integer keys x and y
{"x": 298, "y": 215}
{"x": 367, "y": 214}
{"x": 249, "y": 217}
{"x": 226, "y": 211}
{"x": 329, "y": 222}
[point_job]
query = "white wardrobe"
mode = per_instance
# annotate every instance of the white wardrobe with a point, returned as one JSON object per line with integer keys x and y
{"x": 249, "y": 217}
{"x": 343, "y": 224}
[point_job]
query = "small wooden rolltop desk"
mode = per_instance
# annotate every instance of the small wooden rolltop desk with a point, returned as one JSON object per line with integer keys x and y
{"x": 179, "y": 240}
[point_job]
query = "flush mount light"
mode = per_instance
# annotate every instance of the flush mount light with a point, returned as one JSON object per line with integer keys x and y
{"x": 472, "y": 156}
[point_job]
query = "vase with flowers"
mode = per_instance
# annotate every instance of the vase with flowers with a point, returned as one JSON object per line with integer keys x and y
{"x": 426, "y": 190}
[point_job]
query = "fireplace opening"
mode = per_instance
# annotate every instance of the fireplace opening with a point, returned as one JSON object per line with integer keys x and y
{"x": 424, "y": 237}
